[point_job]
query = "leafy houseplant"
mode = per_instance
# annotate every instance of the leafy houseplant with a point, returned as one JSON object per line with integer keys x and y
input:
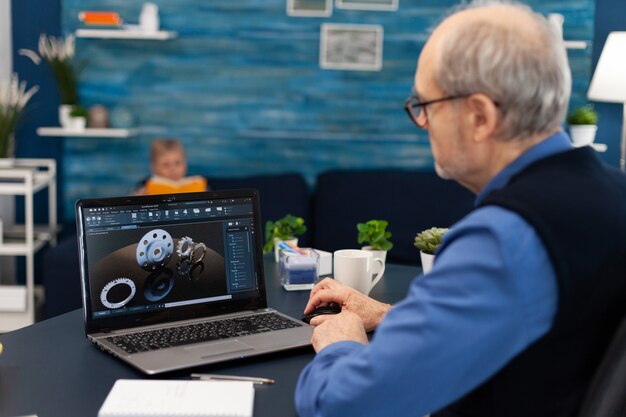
{"x": 428, "y": 242}
{"x": 375, "y": 233}
{"x": 59, "y": 54}
{"x": 583, "y": 116}
{"x": 13, "y": 99}
{"x": 286, "y": 228}
{"x": 79, "y": 111}
{"x": 77, "y": 118}
{"x": 582, "y": 125}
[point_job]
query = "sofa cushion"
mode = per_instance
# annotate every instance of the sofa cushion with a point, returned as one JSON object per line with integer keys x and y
{"x": 279, "y": 195}
{"x": 410, "y": 201}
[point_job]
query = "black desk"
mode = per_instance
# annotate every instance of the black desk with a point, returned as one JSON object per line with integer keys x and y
{"x": 50, "y": 369}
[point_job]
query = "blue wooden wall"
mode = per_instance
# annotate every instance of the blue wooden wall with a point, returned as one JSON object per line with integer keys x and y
{"x": 242, "y": 88}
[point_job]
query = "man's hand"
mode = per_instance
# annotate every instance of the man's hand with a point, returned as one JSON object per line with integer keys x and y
{"x": 343, "y": 326}
{"x": 370, "y": 311}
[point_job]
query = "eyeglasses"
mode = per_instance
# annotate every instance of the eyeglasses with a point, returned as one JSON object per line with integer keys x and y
{"x": 415, "y": 108}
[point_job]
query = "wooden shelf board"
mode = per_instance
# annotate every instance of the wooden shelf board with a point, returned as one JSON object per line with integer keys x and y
{"x": 86, "y": 133}
{"x": 160, "y": 35}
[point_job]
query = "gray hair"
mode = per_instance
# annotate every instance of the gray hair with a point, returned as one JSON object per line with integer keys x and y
{"x": 530, "y": 79}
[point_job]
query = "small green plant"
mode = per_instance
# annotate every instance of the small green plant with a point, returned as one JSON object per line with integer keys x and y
{"x": 78, "y": 111}
{"x": 429, "y": 240}
{"x": 374, "y": 232}
{"x": 284, "y": 229}
{"x": 583, "y": 116}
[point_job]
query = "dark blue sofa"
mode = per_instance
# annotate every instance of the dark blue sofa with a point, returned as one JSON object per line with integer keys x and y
{"x": 411, "y": 201}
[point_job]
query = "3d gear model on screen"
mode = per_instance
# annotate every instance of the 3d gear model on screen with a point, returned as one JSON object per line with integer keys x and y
{"x": 119, "y": 281}
{"x": 158, "y": 284}
{"x": 155, "y": 249}
{"x": 191, "y": 254}
{"x": 188, "y": 269}
{"x": 184, "y": 246}
{"x": 197, "y": 253}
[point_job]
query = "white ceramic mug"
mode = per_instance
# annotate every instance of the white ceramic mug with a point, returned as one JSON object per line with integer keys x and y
{"x": 354, "y": 268}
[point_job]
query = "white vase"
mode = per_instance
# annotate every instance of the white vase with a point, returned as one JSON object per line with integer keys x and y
{"x": 377, "y": 254}
{"x": 149, "y": 18}
{"x": 64, "y": 115}
{"x": 427, "y": 261}
{"x": 293, "y": 241}
{"x": 10, "y": 150}
{"x": 583, "y": 135}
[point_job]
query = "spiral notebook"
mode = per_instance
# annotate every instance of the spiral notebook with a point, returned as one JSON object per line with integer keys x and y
{"x": 155, "y": 398}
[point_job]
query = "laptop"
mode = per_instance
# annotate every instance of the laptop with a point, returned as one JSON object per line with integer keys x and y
{"x": 176, "y": 281}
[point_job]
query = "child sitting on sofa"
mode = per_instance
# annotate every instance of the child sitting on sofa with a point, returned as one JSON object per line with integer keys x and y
{"x": 169, "y": 170}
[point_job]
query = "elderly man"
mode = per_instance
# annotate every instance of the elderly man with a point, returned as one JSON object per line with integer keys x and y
{"x": 526, "y": 290}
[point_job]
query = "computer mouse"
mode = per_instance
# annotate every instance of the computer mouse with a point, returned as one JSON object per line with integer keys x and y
{"x": 320, "y": 310}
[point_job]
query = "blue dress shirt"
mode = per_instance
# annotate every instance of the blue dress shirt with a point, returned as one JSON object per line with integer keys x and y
{"x": 491, "y": 293}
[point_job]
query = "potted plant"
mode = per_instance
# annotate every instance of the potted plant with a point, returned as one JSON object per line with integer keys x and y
{"x": 285, "y": 229}
{"x": 78, "y": 118}
{"x": 13, "y": 99}
{"x": 59, "y": 54}
{"x": 375, "y": 233}
{"x": 428, "y": 242}
{"x": 583, "y": 125}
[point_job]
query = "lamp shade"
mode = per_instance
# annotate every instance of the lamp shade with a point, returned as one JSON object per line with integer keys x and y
{"x": 609, "y": 80}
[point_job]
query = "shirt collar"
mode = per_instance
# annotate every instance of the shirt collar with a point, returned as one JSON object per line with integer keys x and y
{"x": 557, "y": 143}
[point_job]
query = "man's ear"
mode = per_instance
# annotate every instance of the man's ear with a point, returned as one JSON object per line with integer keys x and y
{"x": 483, "y": 116}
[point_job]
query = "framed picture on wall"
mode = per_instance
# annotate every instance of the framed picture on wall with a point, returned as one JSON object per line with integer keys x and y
{"x": 310, "y": 8}
{"x": 385, "y": 5}
{"x": 351, "y": 47}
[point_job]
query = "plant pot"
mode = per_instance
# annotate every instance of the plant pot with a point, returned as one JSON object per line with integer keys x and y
{"x": 583, "y": 135}
{"x": 427, "y": 261}
{"x": 377, "y": 254}
{"x": 8, "y": 150}
{"x": 77, "y": 124}
{"x": 64, "y": 115}
{"x": 293, "y": 241}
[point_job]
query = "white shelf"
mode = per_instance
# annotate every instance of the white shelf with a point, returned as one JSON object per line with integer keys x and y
{"x": 86, "y": 133}
{"x": 599, "y": 147}
{"x": 12, "y": 182}
{"x": 43, "y": 232}
{"x": 127, "y": 33}
{"x": 18, "y": 247}
{"x": 26, "y": 176}
{"x": 12, "y": 320}
{"x": 575, "y": 44}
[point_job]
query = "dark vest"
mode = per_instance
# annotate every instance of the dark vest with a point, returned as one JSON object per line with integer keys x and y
{"x": 577, "y": 206}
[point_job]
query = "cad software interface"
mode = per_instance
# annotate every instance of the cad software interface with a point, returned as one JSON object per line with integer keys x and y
{"x": 147, "y": 258}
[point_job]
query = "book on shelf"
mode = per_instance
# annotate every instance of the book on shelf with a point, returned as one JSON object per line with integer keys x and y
{"x": 99, "y": 19}
{"x": 172, "y": 398}
{"x": 160, "y": 185}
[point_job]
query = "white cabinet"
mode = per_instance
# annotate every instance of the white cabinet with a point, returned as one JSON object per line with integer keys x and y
{"x": 25, "y": 177}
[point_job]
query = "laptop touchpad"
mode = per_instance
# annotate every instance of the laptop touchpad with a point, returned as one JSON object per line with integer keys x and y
{"x": 218, "y": 348}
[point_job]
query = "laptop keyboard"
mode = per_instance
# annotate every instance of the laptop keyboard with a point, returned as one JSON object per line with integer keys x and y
{"x": 201, "y": 332}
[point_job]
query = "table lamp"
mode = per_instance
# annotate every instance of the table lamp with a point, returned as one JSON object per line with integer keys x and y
{"x": 609, "y": 81}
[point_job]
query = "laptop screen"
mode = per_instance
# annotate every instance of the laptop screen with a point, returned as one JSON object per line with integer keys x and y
{"x": 153, "y": 259}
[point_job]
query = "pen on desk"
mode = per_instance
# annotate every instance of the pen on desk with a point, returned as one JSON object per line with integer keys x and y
{"x": 216, "y": 377}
